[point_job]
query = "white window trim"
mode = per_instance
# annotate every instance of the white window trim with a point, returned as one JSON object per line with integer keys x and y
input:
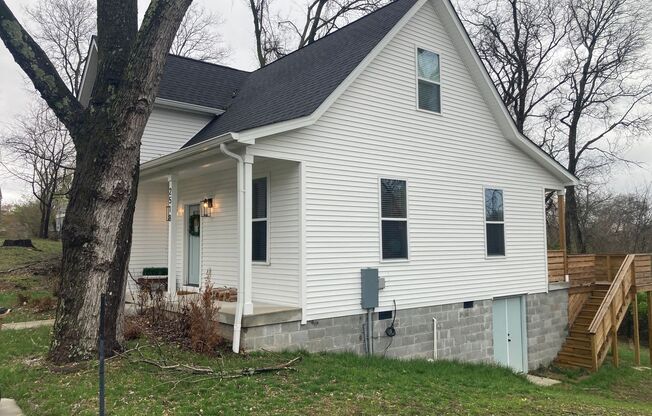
{"x": 417, "y": 78}
{"x": 485, "y": 222}
{"x": 265, "y": 262}
{"x": 381, "y": 218}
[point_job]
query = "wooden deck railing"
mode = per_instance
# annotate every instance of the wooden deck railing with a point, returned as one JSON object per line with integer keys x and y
{"x": 587, "y": 269}
{"x": 604, "y": 327}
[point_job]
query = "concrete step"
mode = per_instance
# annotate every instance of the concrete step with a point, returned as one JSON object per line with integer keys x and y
{"x": 8, "y": 407}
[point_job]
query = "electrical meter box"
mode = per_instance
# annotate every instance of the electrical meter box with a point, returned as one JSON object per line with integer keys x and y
{"x": 370, "y": 288}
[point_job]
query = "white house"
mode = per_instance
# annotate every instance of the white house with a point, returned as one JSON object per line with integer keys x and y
{"x": 382, "y": 146}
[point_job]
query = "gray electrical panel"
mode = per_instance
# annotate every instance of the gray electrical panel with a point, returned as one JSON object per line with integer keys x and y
{"x": 369, "y": 288}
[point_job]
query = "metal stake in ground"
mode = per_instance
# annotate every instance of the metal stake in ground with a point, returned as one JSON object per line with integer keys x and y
{"x": 101, "y": 351}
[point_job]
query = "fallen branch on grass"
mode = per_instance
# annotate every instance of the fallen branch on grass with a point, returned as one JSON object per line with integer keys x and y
{"x": 208, "y": 372}
{"x": 28, "y": 265}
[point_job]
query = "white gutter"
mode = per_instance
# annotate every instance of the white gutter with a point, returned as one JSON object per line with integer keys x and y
{"x": 180, "y": 105}
{"x": 239, "y": 310}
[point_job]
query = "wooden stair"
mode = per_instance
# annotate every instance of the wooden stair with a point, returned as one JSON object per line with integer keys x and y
{"x": 576, "y": 351}
{"x": 595, "y": 329}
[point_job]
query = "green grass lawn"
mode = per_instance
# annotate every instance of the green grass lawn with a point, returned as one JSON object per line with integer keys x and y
{"x": 28, "y": 282}
{"x": 322, "y": 384}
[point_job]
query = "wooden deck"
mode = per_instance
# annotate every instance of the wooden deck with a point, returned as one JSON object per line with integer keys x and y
{"x": 602, "y": 287}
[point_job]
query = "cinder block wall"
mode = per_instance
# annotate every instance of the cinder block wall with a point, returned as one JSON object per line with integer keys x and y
{"x": 463, "y": 334}
{"x": 547, "y": 324}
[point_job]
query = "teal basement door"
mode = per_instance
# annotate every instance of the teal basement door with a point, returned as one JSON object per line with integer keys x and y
{"x": 192, "y": 254}
{"x": 510, "y": 342}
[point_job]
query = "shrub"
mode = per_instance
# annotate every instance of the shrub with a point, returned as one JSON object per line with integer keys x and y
{"x": 43, "y": 304}
{"x": 133, "y": 328}
{"x": 23, "y": 298}
{"x": 204, "y": 326}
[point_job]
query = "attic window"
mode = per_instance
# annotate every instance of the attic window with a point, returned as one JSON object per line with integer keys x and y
{"x": 428, "y": 81}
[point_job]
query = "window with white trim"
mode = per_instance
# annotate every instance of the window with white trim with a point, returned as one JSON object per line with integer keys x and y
{"x": 428, "y": 81}
{"x": 259, "y": 226}
{"x": 494, "y": 222}
{"x": 393, "y": 218}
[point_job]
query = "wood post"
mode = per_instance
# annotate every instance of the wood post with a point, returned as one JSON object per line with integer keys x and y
{"x": 608, "y": 268}
{"x": 637, "y": 340}
{"x": 649, "y": 323}
{"x": 561, "y": 206}
{"x": 614, "y": 336}
{"x": 594, "y": 354}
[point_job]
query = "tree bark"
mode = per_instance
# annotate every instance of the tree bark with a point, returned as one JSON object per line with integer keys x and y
{"x": 97, "y": 241}
{"x": 574, "y": 236}
{"x": 97, "y": 229}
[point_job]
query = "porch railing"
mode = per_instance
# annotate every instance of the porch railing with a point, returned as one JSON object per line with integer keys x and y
{"x": 611, "y": 312}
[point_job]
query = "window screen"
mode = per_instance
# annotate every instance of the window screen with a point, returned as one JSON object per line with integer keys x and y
{"x": 394, "y": 235}
{"x": 428, "y": 81}
{"x": 259, "y": 220}
{"x": 494, "y": 222}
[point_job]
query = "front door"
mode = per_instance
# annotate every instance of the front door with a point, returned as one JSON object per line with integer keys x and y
{"x": 192, "y": 242}
{"x": 510, "y": 343}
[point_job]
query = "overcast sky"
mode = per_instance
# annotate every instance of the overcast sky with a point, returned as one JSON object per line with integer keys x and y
{"x": 236, "y": 31}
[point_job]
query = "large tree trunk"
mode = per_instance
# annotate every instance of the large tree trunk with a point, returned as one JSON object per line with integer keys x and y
{"x": 574, "y": 236}
{"x": 46, "y": 215}
{"x": 97, "y": 241}
{"x": 97, "y": 228}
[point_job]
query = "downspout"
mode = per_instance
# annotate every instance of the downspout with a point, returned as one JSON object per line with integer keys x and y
{"x": 239, "y": 310}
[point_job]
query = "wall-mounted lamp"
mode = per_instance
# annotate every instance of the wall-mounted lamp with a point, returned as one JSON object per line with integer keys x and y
{"x": 206, "y": 207}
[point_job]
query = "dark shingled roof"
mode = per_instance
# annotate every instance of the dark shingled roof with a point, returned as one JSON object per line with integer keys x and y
{"x": 200, "y": 83}
{"x": 295, "y": 85}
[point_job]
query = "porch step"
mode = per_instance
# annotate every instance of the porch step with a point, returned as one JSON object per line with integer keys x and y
{"x": 571, "y": 359}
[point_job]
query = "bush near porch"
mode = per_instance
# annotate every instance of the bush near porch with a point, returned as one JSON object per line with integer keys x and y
{"x": 331, "y": 384}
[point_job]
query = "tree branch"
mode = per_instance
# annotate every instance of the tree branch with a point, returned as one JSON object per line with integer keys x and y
{"x": 38, "y": 67}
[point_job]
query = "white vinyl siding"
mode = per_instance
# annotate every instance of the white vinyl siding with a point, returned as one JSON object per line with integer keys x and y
{"x": 167, "y": 130}
{"x": 149, "y": 247}
{"x": 373, "y": 131}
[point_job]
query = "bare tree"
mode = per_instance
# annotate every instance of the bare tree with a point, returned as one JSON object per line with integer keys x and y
{"x": 107, "y": 135}
{"x": 319, "y": 18}
{"x": 603, "y": 103}
{"x": 520, "y": 41}
{"x": 198, "y": 37}
{"x": 63, "y": 29}
{"x": 40, "y": 152}
{"x": 269, "y": 42}
{"x": 325, "y": 16}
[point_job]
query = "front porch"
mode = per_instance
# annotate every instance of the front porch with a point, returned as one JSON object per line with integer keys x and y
{"x": 232, "y": 218}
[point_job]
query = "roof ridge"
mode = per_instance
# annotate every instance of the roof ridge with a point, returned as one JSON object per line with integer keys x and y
{"x": 208, "y": 63}
{"x": 329, "y": 34}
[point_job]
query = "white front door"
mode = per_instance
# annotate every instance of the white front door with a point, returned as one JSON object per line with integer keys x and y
{"x": 192, "y": 244}
{"x": 510, "y": 341}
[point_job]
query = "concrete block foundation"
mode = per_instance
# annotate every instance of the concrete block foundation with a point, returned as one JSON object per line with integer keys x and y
{"x": 464, "y": 334}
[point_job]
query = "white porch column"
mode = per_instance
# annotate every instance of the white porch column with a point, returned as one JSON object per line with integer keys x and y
{"x": 172, "y": 235}
{"x": 248, "y": 203}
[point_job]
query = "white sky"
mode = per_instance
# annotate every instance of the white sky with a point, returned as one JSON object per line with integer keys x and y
{"x": 236, "y": 31}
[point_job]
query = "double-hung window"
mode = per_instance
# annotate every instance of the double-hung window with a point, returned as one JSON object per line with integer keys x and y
{"x": 394, "y": 225}
{"x": 259, "y": 220}
{"x": 428, "y": 81}
{"x": 494, "y": 222}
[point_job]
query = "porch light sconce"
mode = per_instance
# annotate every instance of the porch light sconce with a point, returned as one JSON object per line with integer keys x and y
{"x": 206, "y": 207}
